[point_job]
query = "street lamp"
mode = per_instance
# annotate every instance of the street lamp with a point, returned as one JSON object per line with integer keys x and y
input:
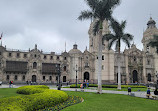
{"x": 59, "y": 74}
{"x": 76, "y": 76}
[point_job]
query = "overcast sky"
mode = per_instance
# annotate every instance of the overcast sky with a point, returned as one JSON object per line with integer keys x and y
{"x": 51, "y": 23}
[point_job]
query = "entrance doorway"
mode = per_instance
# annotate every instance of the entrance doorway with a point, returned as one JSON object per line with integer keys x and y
{"x": 135, "y": 76}
{"x": 149, "y": 77}
{"x": 34, "y": 78}
{"x": 64, "y": 78}
{"x": 86, "y": 76}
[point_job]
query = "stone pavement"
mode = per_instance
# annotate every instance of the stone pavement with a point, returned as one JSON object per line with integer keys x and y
{"x": 141, "y": 94}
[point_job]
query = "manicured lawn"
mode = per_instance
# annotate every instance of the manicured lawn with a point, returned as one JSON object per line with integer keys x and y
{"x": 112, "y": 102}
{"x": 101, "y": 102}
{"x": 7, "y": 92}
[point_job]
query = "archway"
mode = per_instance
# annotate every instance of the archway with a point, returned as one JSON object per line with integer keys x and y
{"x": 86, "y": 76}
{"x": 135, "y": 76}
{"x": 34, "y": 78}
{"x": 149, "y": 77}
{"x": 64, "y": 78}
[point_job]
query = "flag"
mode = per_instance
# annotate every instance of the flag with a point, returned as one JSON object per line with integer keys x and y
{"x": 1, "y": 35}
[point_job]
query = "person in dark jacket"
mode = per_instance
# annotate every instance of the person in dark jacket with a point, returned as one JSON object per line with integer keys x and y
{"x": 148, "y": 93}
{"x": 129, "y": 90}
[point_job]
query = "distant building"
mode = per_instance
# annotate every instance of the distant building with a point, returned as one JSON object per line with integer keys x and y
{"x": 36, "y": 66}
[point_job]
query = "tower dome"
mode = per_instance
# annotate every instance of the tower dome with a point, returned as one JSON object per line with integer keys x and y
{"x": 151, "y": 23}
{"x": 74, "y": 50}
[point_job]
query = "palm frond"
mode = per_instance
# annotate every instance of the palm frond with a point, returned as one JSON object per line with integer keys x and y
{"x": 96, "y": 27}
{"x": 123, "y": 25}
{"x": 92, "y": 4}
{"x": 111, "y": 43}
{"x": 85, "y": 15}
{"x": 108, "y": 37}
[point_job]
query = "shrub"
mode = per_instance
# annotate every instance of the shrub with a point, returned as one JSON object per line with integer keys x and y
{"x": 31, "y": 89}
{"x": 39, "y": 100}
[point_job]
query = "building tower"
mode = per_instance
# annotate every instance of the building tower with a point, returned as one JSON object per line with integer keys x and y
{"x": 147, "y": 37}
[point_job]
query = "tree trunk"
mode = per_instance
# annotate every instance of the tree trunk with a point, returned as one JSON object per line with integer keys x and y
{"x": 119, "y": 74}
{"x": 100, "y": 62}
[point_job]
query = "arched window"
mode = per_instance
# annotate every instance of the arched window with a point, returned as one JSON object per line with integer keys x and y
{"x": 23, "y": 78}
{"x": 149, "y": 77}
{"x": 64, "y": 68}
{"x": 7, "y": 77}
{"x": 64, "y": 78}
{"x": 34, "y": 65}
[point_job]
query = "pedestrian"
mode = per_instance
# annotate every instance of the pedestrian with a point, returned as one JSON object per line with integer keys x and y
{"x": 87, "y": 84}
{"x": 148, "y": 93}
{"x": 84, "y": 84}
{"x": 27, "y": 82}
{"x": 81, "y": 86}
{"x": 9, "y": 84}
{"x": 129, "y": 90}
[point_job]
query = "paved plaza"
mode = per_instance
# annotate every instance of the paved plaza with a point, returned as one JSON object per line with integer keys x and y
{"x": 141, "y": 94}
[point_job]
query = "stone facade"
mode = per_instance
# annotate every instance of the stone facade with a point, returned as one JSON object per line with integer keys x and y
{"x": 36, "y": 66}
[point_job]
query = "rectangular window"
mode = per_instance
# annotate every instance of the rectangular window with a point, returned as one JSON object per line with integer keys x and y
{"x": 7, "y": 77}
{"x": 10, "y": 54}
{"x": 57, "y": 57}
{"x": 102, "y": 67}
{"x": 45, "y": 57}
{"x": 51, "y": 57}
{"x": 23, "y": 78}
{"x": 102, "y": 57}
{"x": 15, "y": 77}
{"x": 18, "y": 55}
{"x": 25, "y": 55}
{"x": 50, "y": 78}
{"x": 44, "y": 78}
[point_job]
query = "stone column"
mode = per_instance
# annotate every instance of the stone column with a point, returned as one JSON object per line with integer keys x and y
{"x": 144, "y": 69}
{"x": 126, "y": 65}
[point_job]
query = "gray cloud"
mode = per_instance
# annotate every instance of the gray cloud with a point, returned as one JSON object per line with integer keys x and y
{"x": 49, "y": 23}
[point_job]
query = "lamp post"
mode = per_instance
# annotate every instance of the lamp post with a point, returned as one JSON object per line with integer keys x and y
{"x": 59, "y": 74}
{"x": 156, "y": 80}
{"x": 76, "y": 77}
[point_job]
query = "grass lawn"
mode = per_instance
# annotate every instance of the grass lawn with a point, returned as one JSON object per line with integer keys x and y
{"x": 7, "y": 92}
{"x": 101, "y": 102}
{"x": 112, "y": 102}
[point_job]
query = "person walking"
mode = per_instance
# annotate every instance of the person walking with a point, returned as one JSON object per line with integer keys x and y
{"x": 9, "y": 84}
{"x": 148, "y": 93}
{"x": 129, "y": 90}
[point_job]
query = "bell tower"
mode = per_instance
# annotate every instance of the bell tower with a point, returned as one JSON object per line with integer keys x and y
{"x": 93, "y": 40}
{"x": 148, "y": 35}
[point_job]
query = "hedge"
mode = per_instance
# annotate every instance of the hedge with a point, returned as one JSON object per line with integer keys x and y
{"x": 108, "y": 86}
{"x": 33, "y": 102}
{"x": 27, "y": 90}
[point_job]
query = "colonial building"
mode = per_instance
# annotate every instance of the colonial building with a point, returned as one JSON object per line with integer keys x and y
{"x": 36, "y": 66}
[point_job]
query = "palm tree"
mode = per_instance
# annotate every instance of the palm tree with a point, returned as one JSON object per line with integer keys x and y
{"x": 154, "y": 42}
{"x": 116, "y": 37}
{"x": 100, "y": 10}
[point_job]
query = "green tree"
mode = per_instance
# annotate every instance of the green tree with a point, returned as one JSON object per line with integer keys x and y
{"x": 100, "y": 10}
{"x": 154, "y": 42}
{"x": 116, "y": 37}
